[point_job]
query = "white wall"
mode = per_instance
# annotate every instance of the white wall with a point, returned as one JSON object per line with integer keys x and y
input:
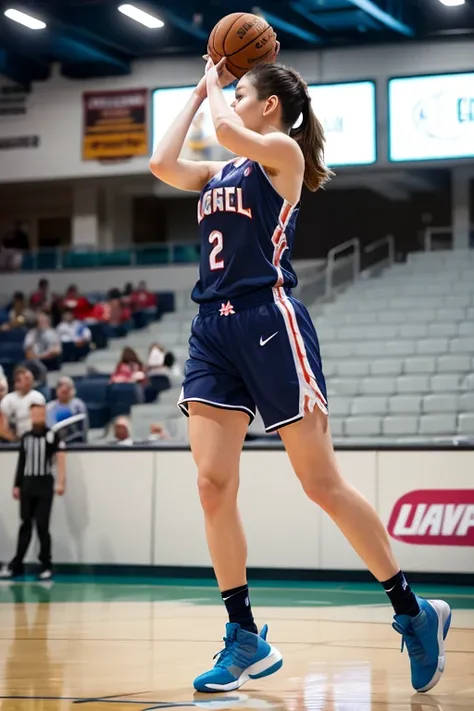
{"x": 130, "y": 507}
{"x": 159, "y": 278}
{"x": 55, "y": 107}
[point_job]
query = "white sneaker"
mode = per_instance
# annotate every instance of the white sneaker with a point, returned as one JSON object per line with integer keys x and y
{"x": 45, "y": 575}
{"x": 5, "y": 572}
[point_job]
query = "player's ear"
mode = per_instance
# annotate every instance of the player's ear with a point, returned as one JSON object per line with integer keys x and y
{"x": 271, "y": 105}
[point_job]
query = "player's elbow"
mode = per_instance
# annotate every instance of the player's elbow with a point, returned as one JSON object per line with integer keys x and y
{"x": 158, "y": 167}
{"x": 225, "y": 132}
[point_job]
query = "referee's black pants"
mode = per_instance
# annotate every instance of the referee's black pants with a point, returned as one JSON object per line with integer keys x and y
{"x": 34, "y": 507}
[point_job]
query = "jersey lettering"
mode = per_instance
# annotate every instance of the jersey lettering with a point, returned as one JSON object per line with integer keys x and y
{"x": 223, "y": 199}
{"x": 216, "y": 238}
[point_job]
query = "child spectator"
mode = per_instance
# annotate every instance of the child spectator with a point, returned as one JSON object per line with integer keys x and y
{"x": 129, "y": 369}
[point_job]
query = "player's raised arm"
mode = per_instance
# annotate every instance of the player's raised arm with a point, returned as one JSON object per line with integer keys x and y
{"x": 165, "y": 162}
{"x": 273, "y": 95}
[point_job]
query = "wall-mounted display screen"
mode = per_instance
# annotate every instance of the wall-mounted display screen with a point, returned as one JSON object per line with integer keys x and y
{"x": 431, "y": 117}
{"x": 347, "y": 112}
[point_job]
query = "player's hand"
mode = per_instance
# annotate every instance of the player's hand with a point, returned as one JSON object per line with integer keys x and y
{"x": 60, "y": 488}
{"x": 16, "y": 493}
{"x": 219, "y": 72}
{"x": 276, "y": 52}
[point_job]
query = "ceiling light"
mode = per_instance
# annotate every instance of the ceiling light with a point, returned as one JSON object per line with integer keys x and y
{"x": 140, "y": 16}
{"x": 452, "y": 3}
{"x": 31, "y": 22}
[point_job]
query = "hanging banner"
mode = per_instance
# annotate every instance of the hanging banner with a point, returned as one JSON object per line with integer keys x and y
{"x": 115, "y": 124}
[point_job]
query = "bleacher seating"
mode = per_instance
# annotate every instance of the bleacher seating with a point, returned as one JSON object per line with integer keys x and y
{"x": 398, "y": 355}
{"x": 398, "y": 351}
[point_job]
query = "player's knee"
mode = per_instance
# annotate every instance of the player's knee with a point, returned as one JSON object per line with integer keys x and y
{"x": 215, "y": 490}
{"x": 323, "y": 490}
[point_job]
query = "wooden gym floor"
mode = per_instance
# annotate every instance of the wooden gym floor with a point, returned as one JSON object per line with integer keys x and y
{"x": 137, "y": 646}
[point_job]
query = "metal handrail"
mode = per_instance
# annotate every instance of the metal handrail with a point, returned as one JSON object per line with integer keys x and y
{"x": 331, "y": 261}
{"x": 430, "y": 231}
{"x": 389, "y": 240}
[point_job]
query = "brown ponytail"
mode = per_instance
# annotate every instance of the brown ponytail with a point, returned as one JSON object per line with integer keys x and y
{"x": 310, "y": 137}
{"x": 275, "y": 79}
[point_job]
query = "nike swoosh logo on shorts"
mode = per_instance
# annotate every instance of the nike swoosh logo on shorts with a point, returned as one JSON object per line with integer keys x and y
{"x": 264, "y": 342}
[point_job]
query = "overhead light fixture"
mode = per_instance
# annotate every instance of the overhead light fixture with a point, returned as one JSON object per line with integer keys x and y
{"x": 452, "y": 3}
{"x": 144, "y": 18}
{"x": 27, "y": 20}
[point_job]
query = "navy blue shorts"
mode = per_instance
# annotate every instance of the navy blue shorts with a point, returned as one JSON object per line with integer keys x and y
{"x": 259, "y": 351}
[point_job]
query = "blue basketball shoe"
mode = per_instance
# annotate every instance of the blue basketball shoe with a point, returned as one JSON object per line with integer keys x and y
{"x": 245, "y": 656}
{"x": 424, "y": 637}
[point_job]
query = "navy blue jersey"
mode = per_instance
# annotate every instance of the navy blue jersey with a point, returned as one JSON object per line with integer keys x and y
{"x": 246, "y": 230}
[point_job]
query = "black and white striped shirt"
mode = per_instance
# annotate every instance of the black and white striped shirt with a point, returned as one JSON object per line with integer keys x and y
{"x": 38, "y": 449}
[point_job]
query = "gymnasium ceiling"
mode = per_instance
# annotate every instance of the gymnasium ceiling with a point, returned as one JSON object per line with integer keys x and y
{"x": 90, "y": 38}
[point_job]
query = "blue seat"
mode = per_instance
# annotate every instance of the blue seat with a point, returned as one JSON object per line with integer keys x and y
{"x": 165, "y": 300}
{"x": 122, "y": 396}
{"x": 16, "y": 335}
{"x": 99, "y": 335}
{"x": 93, "y": 391}
{"x": 3, "y": 316}
{"x": 11, "y": 353}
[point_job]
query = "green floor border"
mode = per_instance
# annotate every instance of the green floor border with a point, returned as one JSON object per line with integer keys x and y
{"x": 255, "y": 575}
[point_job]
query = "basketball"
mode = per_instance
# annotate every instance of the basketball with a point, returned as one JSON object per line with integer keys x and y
{"x": 245, "y": 39}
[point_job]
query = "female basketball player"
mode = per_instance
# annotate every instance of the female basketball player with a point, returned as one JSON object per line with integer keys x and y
{"x": 253, "y": 345}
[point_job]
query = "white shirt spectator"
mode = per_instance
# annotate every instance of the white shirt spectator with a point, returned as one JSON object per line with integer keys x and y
{"x": 16, "y": 408}
{"x": 73, "y": 331}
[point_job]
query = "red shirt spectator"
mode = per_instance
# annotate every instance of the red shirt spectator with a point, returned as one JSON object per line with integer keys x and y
{"x": 129, "y": 369}
{"x": 79, "y": 304}
{"x": 141, "y": 298}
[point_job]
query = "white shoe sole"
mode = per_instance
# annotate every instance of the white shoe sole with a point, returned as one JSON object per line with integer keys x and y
{"x": 443, "y": 611}
{"x": 269, "y": 665}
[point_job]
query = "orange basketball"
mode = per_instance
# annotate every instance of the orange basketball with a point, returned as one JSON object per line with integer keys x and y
{"x": 245, "y": 39}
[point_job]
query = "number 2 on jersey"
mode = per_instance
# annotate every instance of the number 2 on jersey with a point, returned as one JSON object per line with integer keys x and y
{"x": 216, "y": 238}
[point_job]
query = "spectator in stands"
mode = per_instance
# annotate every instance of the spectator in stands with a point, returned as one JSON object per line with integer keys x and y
{"x": 41, "y": 298}
{"x": 3, "y": 385}
{"x": 79, "y": 304}
{"x": 158, "y": 432}
{"x": 129, "y": 369}
{"x": 15, "y": 407}
{"x": 127, "y": 294}
{"x": 161, "y": 361}
{"x": 65, "y": 406}
{"x": 122, "y": 432}
{"x": 73, "y": 331}
{"x": 143, "y": 300}
{"x": 42, "y": 343}
{"x": 119, "y": 314}
{"x": 20, "y": 316}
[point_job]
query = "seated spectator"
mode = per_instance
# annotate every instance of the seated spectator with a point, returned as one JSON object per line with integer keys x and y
{"x": 161, "y": 361}
{"x": 156, "y": 360}
{"x": 20, "y": 315}
{"x": 119, "y": 314}
{"x": 65, "y": 406}
{"x": 158, "y": 432}
{"x": 42, "y": 343}
{"x": 129, "y": 369}
{"x": 79, "y": 304}
{"x": 41, "y": 298}
{"x": 127, "y": 294}
{"x": 73, "y": 331}
{"x": 3, "y": 385}
{"x": 122, "y": 432}
{"x": 141, "y": 299}
{"x": 15, "y": 407}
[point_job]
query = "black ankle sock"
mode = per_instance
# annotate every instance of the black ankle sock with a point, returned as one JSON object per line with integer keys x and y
{"x": 239, "y": 609}
{"x": 401, "y": 596}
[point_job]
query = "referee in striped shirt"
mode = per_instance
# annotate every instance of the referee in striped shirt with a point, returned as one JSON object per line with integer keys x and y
{"x": 34, "y": 487}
